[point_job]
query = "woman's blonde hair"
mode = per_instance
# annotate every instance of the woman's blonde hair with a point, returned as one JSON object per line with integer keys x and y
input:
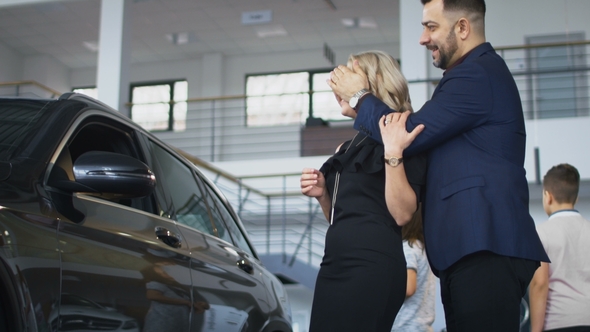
{"x": 385, "y": 78}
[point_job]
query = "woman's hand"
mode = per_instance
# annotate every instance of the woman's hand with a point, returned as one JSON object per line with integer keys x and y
{"x": 394, "y": 134}
{"x": 313, "y": 183}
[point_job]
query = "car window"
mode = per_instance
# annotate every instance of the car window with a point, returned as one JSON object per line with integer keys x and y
{"x": 222, "y": 215}
{"x": 187, "y": 204}
{"x": 17, "y": 120}
{"x": 101, "y": 134}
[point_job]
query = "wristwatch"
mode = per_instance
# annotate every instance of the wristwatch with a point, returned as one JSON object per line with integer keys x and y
{"x": 393, "y": 161}
{"x": 354, "y": 100}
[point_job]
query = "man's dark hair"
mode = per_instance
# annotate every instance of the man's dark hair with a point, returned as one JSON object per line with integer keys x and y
{"x": 563, "y": 182}
{"x": 470, "y": 6}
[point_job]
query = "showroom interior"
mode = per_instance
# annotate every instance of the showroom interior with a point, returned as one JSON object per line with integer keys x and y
{"x": 220, "y": 60}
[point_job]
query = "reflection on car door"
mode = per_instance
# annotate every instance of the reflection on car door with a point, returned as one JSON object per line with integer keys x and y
{"x": 121, "y": 256}
{"x": 221, "y": 273}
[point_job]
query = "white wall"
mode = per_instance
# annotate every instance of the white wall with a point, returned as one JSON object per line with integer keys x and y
{"x": 234, "y": 71}
{"x": 237, "y": 67}
{"x": 11, "y": 65}
{"x": 153, "y": 71}
{"x": 560, "y": 141}
{"x": 48, "y": 71}
{"x": 508, "y": 21}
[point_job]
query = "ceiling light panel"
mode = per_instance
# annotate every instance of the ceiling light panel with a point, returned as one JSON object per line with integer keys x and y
{"x": 257, "y": 17}
{"x": 266, "y": 31}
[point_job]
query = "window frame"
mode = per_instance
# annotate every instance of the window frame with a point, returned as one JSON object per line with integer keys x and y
{"x": 171, "y": 100}
{"x": 209, "y": 194}
{"x": 127, "y": 143}
{"x": 310, "y": 91}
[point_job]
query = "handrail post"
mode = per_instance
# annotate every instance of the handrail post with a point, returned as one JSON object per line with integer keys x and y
{"x": 240, "y": 198}
{"x": 284, "y": 219}
{"x": 309, "y": 242}
{"x": 268, "y": 225}
{"x": 213, "y": 130}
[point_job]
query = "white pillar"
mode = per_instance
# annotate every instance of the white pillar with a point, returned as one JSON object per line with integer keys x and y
{"x": 415, "y": 59}
{"x": 114, "y": 54}
{"x": 212, "y": 77}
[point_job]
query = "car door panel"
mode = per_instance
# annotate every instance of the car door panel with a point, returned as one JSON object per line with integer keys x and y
{"x": 123, "y": 266}
{"x": 114, "y": 258}
{"x": 29, "y": 244}
{"x": 218, "y": 268}
{"x": 229, "y": 290}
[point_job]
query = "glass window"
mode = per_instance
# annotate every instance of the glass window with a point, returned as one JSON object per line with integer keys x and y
{"x": 278, "y": 99}
{"x": 222, "y": 215}
{"x": 188, "y": 205}
{"x": 323, "y": 99}
{"x": 91, "y": 91}
{"x": 160, "y": 106}
{"x": 98, "y": 134}
{"x": 180, "y": 105}
{"x": 289, "y": 98}
{"x": 17, "y": 120}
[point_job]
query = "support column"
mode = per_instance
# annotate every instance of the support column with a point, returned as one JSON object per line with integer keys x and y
{"x": 114, "y": 54}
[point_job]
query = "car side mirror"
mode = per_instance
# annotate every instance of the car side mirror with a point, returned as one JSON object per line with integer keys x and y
{"x": 114, "y": 174}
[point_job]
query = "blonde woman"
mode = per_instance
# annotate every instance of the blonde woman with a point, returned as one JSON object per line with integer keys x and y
{"x": 362, "y": 279}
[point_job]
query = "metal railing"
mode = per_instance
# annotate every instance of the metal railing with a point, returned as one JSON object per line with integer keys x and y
{"x": 278, "y": 218}
{"x": 32, "y": 89}
{"x": 552, "y": 78}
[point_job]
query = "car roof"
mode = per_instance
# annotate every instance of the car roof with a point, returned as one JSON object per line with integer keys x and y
{"x": 21, "y": 118}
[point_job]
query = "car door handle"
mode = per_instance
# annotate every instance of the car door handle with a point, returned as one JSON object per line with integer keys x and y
{"x": 168, "y": 237}
{"x": 245, "y": 265}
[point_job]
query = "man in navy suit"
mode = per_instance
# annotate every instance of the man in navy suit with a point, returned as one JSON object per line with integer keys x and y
{"x": 480, "y": 238}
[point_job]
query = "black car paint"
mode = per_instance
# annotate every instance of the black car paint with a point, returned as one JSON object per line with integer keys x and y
{"x": 62, "y": 234}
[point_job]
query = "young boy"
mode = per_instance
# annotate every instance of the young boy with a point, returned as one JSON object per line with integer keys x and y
{"x": 559, "y": 293}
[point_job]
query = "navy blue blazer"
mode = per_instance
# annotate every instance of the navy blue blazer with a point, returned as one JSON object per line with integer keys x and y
{"x": 476, "y": 189}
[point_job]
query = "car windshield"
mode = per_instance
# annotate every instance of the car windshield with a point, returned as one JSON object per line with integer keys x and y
{"x": 17, "y": 119}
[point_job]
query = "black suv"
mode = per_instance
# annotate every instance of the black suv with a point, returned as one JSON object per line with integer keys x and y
{"x": 105, "y": 227}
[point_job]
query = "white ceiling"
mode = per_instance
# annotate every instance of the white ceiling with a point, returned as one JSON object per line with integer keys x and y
{"x": 60, "y": 28}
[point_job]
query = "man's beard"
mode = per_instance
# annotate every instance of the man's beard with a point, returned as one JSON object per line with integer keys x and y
{"x": 446, "y": 51}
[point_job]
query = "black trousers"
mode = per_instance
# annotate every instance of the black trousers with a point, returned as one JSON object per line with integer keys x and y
{"x": 483, "y": 291}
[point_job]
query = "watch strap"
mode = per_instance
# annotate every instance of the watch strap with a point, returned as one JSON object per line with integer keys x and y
{"x": 356, "y": 98}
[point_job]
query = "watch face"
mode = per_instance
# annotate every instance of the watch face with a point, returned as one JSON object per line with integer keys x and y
{"x": 393, "y": 161}
{"x": 353, "y": 101}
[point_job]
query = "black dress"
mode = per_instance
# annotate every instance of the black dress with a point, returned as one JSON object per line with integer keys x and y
{"x": 361, "y": 283}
